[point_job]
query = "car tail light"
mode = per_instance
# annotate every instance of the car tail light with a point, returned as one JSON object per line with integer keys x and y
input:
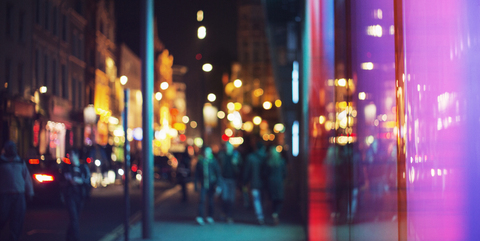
{"x": 34, "y": 161}
{"x": 43, "y": 177}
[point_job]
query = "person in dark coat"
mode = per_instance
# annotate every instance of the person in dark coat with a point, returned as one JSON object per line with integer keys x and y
{"x": 207, "y": 172}
{"x": 183, "y": 172}
{"x": 76, "y": 189}
{"x": 253, "y": 175}
{"x": 229, "y": 162}
{"x": 275, "y": 172}
{"x": 15, "y": 184}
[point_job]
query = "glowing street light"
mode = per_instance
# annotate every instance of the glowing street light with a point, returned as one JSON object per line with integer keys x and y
{"x": 158, "y": 96}
{"x": 123, "y": 79}
{"x": 267, "y": 105}
{"x": 164, "y": 85}
{"x": 207, "y": 67}
{"x": 237, "y": 83}
{"x": 43, "y": 89}
{"x": 257, "y": 120}
{"x": 221, "y": 115}
{"x": 211, "y": 97}
{"x": 185, "y": 119}
{"x": 199, "y": 15}
{"x": 201, "y": 32}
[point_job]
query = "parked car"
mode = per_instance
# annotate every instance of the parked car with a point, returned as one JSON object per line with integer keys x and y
{"x": 46, "y": 177}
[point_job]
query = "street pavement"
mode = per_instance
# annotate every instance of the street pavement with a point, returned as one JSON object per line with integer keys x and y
{"x": 175, "y": 220}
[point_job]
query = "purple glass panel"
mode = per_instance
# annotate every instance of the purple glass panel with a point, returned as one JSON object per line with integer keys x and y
{"x": 374, "y": 194}
{"x": 439, "y": 49}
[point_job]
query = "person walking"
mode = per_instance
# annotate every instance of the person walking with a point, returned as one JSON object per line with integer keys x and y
{"x": 76, "y": 188}
{"x": 276, "y": 173}
{"x": 253, "y": 175}
{"x": 207, "y": 172}
{"x": 183, "y": 172}
{"x": 15, "y": 184}
{"x": 229, "y": 162}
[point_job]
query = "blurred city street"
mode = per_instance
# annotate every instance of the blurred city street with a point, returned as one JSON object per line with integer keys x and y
{"x": 101, "y": 214}
{"x": 175, "y": 220}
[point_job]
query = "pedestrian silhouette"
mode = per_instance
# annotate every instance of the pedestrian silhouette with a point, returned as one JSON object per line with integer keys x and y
{"x": 253, "y": 175}
{"x": 15, "y": 184}
{"x": 207, "y": 173}
{"x": 229, "y": 162}
{"x": 275, "y": 172}
{"x": 75, "y": 189}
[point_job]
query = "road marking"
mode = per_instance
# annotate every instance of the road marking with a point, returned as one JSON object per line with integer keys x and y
{"x": 138, "y": 215}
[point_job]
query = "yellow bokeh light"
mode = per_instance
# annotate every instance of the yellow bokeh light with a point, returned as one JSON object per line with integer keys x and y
{"x": 258, "y": 92}
{"x": 193, "y": 124}
{"x": 221, "y": 115}
{"x": 267, "y": 105}
{"x": 231, "y": 106}
{"x": 257, "y": 120}
{"x": 237, "y": 83}
{"x": 201, "y": 32}
{"x": 238, "y": 106}
{"x": 228, "y": 132}
{"x": 279, "y": 148}
{"x": 278, "y": 103}
{"x": 265, "y": 137}
{"x": 248, "y": 126}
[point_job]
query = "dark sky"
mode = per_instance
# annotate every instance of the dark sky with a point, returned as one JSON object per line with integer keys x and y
{"x": 177, "y": 29}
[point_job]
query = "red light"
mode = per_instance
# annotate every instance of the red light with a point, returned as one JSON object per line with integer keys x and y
{"x": 66, "y": 160}
{"x": 89, "y": 160}
{"x": 33, "y": 161}
{"x": 43, "y": 177}
{"x": 198, "y": 56}
{"x": 183, "y": 137}
{"x": 134, "y": 168}
{"x": 225, "y": 137}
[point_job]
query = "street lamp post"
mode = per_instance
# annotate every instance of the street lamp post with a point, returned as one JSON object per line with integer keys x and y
{"x": 146, "y": 52}
{"x": 126, "y": 173}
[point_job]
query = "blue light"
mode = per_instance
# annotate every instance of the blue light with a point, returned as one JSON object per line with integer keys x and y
{"x": 295, "y": 139}
{"x": 138, "y": 134}
{"x": 295, "y": 87}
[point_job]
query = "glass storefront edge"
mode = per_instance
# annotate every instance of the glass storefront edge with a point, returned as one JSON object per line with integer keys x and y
{"x": 392, "y": 120}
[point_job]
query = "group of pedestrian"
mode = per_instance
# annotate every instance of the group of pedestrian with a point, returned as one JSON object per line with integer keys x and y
{"x": 16, "y": 186}
{"x": 262, "y": 172}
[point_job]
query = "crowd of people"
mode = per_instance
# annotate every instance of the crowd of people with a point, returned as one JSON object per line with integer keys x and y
{"x": 251, "y": 174}
{"x": 260, "y": 171}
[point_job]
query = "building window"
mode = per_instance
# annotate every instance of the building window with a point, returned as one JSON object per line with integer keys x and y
{"x": 8, "y": 73}
{"x": 37, "y": 12}
{"x": 21, "y": 27}
{"x": 20, "y": 79}
{"x": 45, "y": 71}
{"x": 80, "y": 48}
{"x": 55, "y": 88}
{"x": 47, "y": 15}
{"x": 37, "y": 68}
{"x": 64, "y": 82}
{"x": 74, "y": 93}
{"x": 74, "y": 44}
{"x": 64, "y": 27}
{"x": 9, "y": 22}
{"x": 55, "y": 20}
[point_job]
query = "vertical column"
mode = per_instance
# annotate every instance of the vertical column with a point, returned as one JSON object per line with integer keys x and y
{"x": 127, "y": 163}
{"x": 146, "y": 53}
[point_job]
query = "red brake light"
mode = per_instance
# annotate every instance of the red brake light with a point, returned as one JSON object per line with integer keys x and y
{"x": 43, "y": 177}
{"x": 33, "y": 161}
{"x": 66, "y": 160}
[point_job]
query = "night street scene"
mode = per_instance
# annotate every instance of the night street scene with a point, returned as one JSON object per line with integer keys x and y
{"x": 233, "y": 120}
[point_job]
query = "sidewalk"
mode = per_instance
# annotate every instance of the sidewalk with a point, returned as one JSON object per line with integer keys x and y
{"x": 175, "y": 220}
